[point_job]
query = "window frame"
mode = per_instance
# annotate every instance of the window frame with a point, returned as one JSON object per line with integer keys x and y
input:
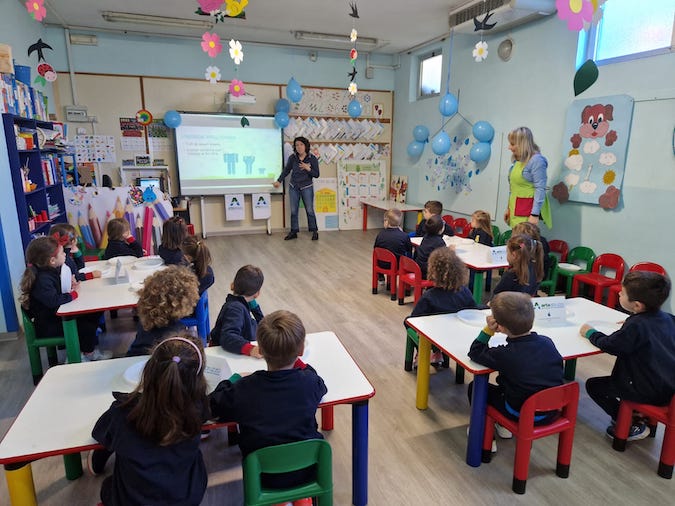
{"x": 438, "y": 52}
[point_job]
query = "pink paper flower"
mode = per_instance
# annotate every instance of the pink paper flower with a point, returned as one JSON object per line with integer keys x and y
{"x": 575, "y": 12}
{"x": 236, "y": 88}
{"x": 37, "y": 9}
{"x": 211, "y": 44}
{"x": 210, "y": 5}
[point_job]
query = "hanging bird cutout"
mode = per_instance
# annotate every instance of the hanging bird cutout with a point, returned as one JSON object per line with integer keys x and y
{"x": 355, "y": 10}
{"x": 39, "y": 46}
{"x": 352, "y": 74}
{"x": 45, "y": 71}
{"x": 483, "y": 25}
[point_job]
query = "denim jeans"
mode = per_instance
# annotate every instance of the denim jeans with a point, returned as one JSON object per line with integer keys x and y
{"x": 307, "y": 195}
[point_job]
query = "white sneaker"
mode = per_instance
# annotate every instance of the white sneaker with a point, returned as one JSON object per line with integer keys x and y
{"x": 503, "y": 432}
{"x": 96, "y": 355}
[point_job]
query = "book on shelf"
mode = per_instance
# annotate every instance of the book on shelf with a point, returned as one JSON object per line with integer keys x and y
{"x": 21, "y": 100}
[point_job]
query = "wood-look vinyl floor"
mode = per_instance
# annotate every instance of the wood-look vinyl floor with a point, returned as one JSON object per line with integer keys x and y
{"x": 415, "y": 457}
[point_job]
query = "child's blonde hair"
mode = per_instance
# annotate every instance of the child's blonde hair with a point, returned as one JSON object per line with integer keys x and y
{"x": 522, "y": 138}
{"x": 484, "y": 221}
{"x": 393, "y": 217}
{"x": 514, "y": 311}
{"x": 280, "y": 336}
{"x": 167, "y": 296}
{"x": 39, "y": 253}
{"x": 447, "y": 270}
{"x": 527, "y": 251}
{"x": 527, "y": 228}
{"x": 116, "y": 229}
{"x": 199, "y": 252}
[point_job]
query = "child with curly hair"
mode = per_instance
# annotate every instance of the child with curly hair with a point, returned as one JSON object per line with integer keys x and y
{"x": 167, "y": 296}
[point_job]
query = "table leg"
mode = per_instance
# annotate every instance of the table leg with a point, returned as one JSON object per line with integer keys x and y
{"x": 477, "y": 421}
{"x": 365, "y": 217}
{"x": 423, "y": 364}
{"x": 360, "y": 453}
{"x": 570, "y": 369}
{"x": 72, "y": 462}
{"x": 20, "y": 484}
{"x": 478, "y": 286}
{"x": 72, "y": 340}
{"x": 327, "y": 418}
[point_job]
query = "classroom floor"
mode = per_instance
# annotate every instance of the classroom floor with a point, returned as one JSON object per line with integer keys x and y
{"x": 416, "y": 457}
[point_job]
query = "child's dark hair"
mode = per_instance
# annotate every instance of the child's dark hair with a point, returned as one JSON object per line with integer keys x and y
{"x": 167, "y": 296}
{"x": 167, "y": 405}
{"x": 116, "y": 228}
{"x": 527, "y": 251}
{"x": 199, "y": 252}
{"x": 447, "y": 270}
{"x": 280, "y": 336}
{"x": 39, "y": 253}
{"x": 484, "y": 221}
{"x": 304, "y": 141}
{"x": 393, "y": 217}
{"x": 434, "y": 225}
{"x": 174, "y": 231}
{"x": 650, "y": 288}
{"x": 433, "y": 206}
{"x": 514, "y": 311}
{"x": 248, "y": 281}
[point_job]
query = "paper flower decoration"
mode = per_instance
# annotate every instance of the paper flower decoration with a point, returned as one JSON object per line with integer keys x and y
{"x": 353, "y": 54}
{"x": 37, "y": 9}
{"x": 353, "y": 35}
{"x": 212, "y": 74}
{"x": 144, "y": 117}
{"x": 597, "y": 13}
{"x": 236, "y": 52}
{"x": 236, "y": 88}
{"x": 480, "y": 51}
{"x": 575, "y": 12}
{"x": 353, "y": 89}
{"x": 211, "y": 44}
{"x": 235, "y": 7}
{"x": 210, "y": 5}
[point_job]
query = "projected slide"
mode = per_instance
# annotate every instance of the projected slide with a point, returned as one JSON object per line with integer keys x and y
{"x": 216, "y": 155}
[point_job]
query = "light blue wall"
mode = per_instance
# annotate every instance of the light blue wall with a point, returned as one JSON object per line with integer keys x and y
{"x": 534, "y": 89}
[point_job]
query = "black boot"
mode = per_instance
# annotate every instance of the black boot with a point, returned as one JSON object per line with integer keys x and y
{"x": 291, "y": 235}
{"x": 315, "y": 236}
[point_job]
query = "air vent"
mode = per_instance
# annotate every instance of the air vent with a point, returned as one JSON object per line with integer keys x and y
{"x": 475, "y": 10}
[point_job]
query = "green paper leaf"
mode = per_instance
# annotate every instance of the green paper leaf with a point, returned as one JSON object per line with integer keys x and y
{"x": 585, "y": 77}
{"x": 244, "y": 121}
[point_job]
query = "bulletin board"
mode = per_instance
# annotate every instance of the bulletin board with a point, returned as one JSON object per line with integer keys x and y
{"x": 359, "y": 180}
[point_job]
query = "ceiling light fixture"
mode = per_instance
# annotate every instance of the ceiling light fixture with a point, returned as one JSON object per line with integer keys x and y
{"x": 333, "y": 38}
{"x": 143, "y": 19}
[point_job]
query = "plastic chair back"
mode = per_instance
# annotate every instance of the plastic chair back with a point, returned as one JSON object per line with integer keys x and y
{"x": 609, "y": 262}
{"x": 410, "y": 274}
{"x": 287, "y": 458}
{"x": 382, "y": 255}
{"x": 201, "y": 318}
{"x": 447, "y": 218}
{"x": 503, "y": 237}
{"x": 495, "y": 234}
{"x": 550, "y": 281}
{"x": 461, "y": 227}
{"x": 560, "y": 247}
{"x": 34, "y": 344}
{"x": 649, "y": 267}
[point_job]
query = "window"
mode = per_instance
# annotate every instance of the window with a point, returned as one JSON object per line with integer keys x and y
{"x": 430, "y": 75}
{"x": 629, "y": 30}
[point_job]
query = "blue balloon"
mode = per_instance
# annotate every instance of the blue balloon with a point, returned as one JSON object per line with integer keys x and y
{"x": 441, "y": 143}
{"x": 354, "y": 108}
{"x": 172, "y": 119}
{"x": 282, "y": 105}
{"x": 483, "y": 131}
{"x": 294, "y": 90}
{"x": 281, "y": 119}
{"x": 448, "y": 105}
{"x": 480, "y": 152}
{"x": 421, "y": 133}
{"x": 415, "y": 149}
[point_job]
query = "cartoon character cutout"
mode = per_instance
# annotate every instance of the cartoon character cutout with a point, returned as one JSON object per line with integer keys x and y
{"x": 595, "y": 125}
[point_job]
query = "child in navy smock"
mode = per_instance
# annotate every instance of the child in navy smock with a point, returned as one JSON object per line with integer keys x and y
{"x": 197, "y": 255}
{"x": 120, "y": 241}
{"x": 526, "y": 267}
{"x": 174, "y": 231}
{"x": 432, "y": 208}
{"x": 433, "y": 238}
{"x": 392, "y": 238}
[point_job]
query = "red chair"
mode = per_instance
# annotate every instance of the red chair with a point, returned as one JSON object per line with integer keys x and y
{"x": 613, "y": 292}
{"x": 447, "y": 218}
{"x": 663, "y": 414}
{"x": 563, "y": 397}
{"x": 560, "y": 247}
{"x": 385, "y": 256}
{"x": 461, "y": 227}
{"x": 410, "y": 275}
{"x": 603, "y": 263}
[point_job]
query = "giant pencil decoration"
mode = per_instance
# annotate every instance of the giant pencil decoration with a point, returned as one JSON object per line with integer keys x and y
{"x": 147, "y": 230}
{"x": 139, "y": 228}
{"x": 118, "y": 210}
{"x": 129, "y": 216}
{"x": 85, "y": 230}
{"x": 161, "y": 211}
{"x": 104, "y": 236}
{"x": 95, "y": 227}
{"x": 157, "y": 233}
{"x": 76, "y": 225}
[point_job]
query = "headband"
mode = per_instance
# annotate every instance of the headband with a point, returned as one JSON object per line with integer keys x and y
{"x": 177, "y": 359}
{"x": 63, "y": 240}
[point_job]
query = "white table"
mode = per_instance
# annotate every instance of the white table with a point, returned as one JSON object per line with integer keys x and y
{"x": 60, "y": 414}
{"x": 389, "y": 204}
{"x": 454, "y": 338}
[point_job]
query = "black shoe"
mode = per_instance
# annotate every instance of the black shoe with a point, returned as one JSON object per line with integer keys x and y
{"x": 315, "y": 236}
{"x": 291, "y": 235}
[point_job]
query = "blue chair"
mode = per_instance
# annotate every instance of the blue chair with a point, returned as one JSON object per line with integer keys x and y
{"x": 200, "y": 318}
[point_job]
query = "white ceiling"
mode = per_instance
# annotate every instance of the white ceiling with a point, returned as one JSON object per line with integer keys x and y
{"x": 398, "y": 25}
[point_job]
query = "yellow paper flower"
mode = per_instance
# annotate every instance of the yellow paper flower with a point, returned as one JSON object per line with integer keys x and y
{"x": 236, "y": 52}
{"x": 235, "y": 7}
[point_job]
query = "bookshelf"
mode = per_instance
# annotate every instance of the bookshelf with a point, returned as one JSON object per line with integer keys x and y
{"x": 36, "y": 177}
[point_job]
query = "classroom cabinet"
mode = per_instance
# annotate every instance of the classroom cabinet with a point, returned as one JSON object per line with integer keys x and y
{"x": 36, "y": 177}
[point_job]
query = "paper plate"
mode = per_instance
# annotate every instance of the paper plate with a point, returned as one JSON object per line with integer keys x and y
{"x": 569, "y": 267}
{"x": 124, "y": 260}
{"x": 149, "y": 264}
{"x": 473, "y": 317}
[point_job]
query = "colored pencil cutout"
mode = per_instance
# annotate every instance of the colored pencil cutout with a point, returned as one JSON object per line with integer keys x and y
{"x": 104, "y": 236}
{"x": 85, "y": 230}
{"x": 156, "y": 234}
{"x": 161, "y": 211}
{"x": 129, "y": 216}
{"x": 118, "y": 211}
{"x": 97, "y": 235}
{"x": 139, "y": 228}
{"x": 147, "y": 230}
{"x": 75, "y": 225}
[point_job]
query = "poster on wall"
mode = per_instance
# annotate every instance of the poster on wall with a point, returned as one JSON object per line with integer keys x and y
{"x": 325, "y": 203}
{"x": 260, "y": 202}
{"x": 357, "y": 181}
{"x": 594, "y": 146}
{"x": 234, "y": 207}
{"x": 398, "y": 189}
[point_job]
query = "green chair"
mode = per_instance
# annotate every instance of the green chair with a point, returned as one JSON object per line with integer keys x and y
{"x": 504, "y": 237}
{"x": 581, "y": 256}
{"x": 550, "y": 281}
{"x": 285, "y": 458}
{"x": 34, "y": 344}
{"x": 495, "y": 234}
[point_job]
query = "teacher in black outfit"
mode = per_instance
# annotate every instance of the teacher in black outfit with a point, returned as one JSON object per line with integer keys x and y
{"x": 303, "y": 166}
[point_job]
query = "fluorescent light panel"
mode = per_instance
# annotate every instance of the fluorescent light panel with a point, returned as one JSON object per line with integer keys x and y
{"x": 330, "y": 37}
{"x": 83, "y": 39}
{"x": 143, "y": 19}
